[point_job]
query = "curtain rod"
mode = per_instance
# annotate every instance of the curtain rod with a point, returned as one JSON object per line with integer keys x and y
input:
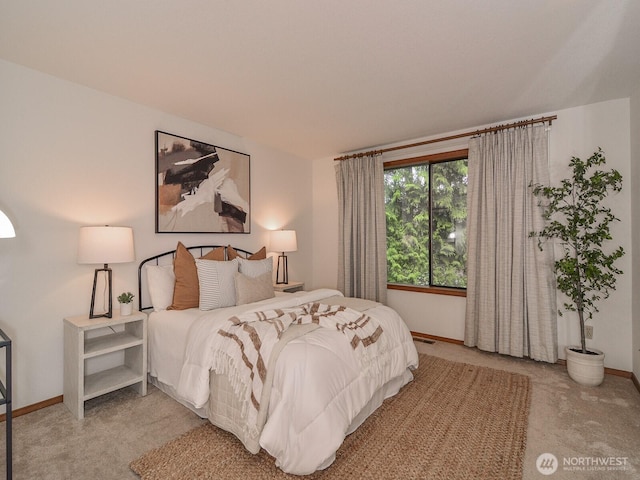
{"x": 451, "y": 137}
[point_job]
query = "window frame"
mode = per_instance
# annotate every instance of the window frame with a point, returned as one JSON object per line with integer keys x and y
{"x": 421, "y": 160}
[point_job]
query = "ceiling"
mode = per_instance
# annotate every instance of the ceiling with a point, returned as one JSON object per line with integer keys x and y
{"x": 320, "y": 78}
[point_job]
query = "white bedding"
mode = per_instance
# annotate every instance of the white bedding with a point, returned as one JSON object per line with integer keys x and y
{"x": 319, "y": 394}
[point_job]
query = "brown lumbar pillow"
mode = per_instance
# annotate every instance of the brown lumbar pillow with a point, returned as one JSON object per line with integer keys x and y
{"x": 259, "y": 255}
{"x": 186, "y": 293}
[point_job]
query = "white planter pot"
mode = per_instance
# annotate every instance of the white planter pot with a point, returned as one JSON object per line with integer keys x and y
{"x": 126, "y": 309}
{"x": 584, "y": 368}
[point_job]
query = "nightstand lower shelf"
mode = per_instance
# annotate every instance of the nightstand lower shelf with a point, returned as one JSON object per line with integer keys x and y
{"x": 109, "y": 380}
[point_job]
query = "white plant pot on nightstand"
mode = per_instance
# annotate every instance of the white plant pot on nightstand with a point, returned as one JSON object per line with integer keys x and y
{"x": 126, "y": 309}
{"x": 584, "y": 368}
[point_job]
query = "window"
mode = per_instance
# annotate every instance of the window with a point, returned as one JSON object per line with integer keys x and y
{"x": 426, "y": 210}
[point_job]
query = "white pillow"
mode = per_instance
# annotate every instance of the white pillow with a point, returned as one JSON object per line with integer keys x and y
{"x": 249, "y": 289}
{"x": 160, "y": 282}
{"x": 255, "y": 268}
{"x": 217, "y": 285}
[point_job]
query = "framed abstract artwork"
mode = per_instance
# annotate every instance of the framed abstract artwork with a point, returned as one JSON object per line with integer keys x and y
{"x": 201, "y": 188}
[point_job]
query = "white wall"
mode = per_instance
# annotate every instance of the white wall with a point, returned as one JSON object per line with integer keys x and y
{"x": 578, "y": 131}
{"x": 72, "y": 156}
{"x": 325, "y": 224}
{"x": 635, "y": 200}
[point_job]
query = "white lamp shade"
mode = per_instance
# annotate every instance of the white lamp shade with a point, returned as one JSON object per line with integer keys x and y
{"x": 6, "y": 227}
{"x": 105, "y": 244}
{"x": 283, "y": 241}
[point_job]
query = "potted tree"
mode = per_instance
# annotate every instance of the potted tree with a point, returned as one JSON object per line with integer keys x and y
{"x": 126, "y": 303}
{"x": 585, "y": 273}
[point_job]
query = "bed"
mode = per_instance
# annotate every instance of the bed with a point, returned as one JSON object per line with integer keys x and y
{"x": 327, "y": 369}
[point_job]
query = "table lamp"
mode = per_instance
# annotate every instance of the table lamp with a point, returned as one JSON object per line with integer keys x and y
{"x": 283, "y": 241}
{"x": 105, "y": 244}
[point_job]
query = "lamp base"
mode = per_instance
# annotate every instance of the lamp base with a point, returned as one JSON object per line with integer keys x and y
{"x": 282, "y": 260}
{"x": 109, "y": 312}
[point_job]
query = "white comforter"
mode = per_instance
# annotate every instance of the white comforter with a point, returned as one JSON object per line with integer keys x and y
{"x": 318, "y": 390}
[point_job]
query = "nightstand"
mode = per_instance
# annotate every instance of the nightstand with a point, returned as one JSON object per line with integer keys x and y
{"x": 288, "y": 287}
{"x": 87, "y": 339}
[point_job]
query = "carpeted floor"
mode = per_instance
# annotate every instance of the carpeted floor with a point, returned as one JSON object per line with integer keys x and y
{"x": 454, "y": 421}
{"x": 572, "y": 422}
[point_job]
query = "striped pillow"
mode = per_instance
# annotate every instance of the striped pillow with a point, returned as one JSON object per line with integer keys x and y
{"x": 217, "y": 285}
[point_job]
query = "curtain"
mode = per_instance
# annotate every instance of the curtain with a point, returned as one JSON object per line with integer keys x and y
{"x": 511, "y": 305}
{"x": 362, "y": 249}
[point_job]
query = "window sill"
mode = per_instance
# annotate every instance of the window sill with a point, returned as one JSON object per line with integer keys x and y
{"x": 455, "y": 292}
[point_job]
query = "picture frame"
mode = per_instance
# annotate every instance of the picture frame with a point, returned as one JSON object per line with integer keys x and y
{"x": 201, "y": 188}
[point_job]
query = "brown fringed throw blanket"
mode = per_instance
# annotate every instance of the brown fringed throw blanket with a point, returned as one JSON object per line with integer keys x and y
{"x": 243, "y": 347}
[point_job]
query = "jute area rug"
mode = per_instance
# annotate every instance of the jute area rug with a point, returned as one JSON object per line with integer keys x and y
{"x": 454, "y": 421}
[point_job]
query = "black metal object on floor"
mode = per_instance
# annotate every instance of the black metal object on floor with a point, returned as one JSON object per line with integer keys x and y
{"x": 5, "y": 399}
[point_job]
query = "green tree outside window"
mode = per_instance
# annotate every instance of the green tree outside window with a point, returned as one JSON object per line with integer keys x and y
{"x": 426, "y": 214}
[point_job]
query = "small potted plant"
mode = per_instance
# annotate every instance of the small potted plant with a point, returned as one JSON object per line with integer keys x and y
{"x": 126, "y": 303}
{"x": 585, "y": 270}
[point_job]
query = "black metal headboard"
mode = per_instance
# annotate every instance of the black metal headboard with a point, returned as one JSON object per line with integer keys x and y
{"x": 167, "y": 257}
